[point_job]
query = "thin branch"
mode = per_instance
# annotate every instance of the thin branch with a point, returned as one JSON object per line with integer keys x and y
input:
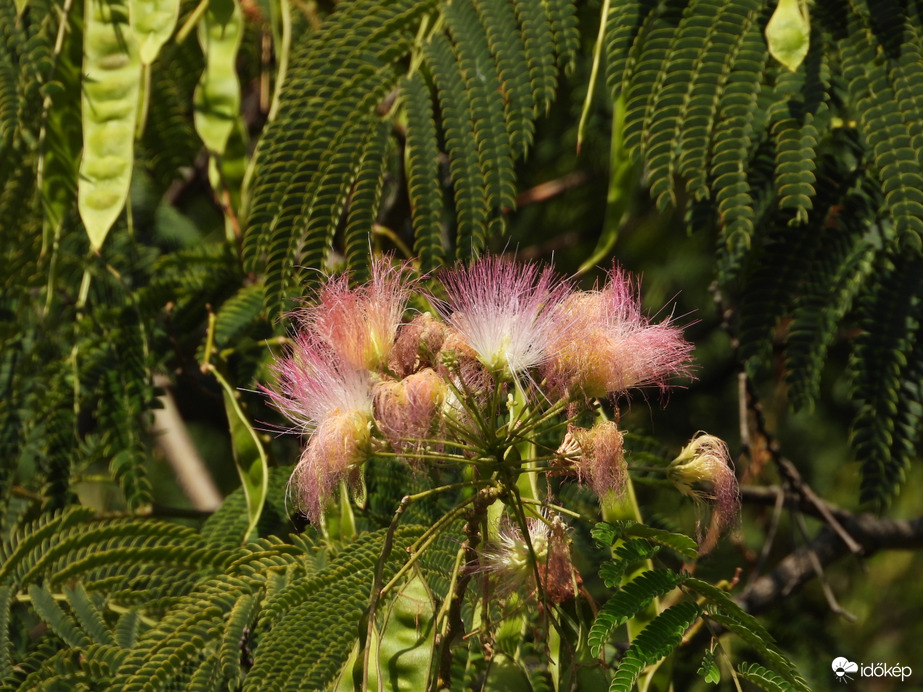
{"x": 484, "y": 498}
{"x": 871, "y": 534}
{"x": 789, "y": 471}
{"x": 173, "y": 438}
{"x": 819, "y": 572}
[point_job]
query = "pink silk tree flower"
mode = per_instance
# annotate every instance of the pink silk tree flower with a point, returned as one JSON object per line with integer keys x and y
{"x": 504, "y": 312}
{"x": 360, "y": 324}
{"x": 605, "y": 345}
{"x": 704, "y": 472}
{"x": 598, "y": 456}
{"x": 331, "y": 403}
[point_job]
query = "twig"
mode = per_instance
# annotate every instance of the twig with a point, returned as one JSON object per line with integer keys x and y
{"x": 870, "y": 532}
{"x": 789, "y": 471}
{"x": 819, "y": 572}
{"x": 376, "y": 587}
{"x": 771, "y": 534}
{"x": 484, "y": 498}
{"x": 377, "y": 590}
{"x": 173, "y": 438}
{"x": 552, "y": 188}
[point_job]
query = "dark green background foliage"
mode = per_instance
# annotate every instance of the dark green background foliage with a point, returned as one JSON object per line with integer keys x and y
{"x": 781, "y": 211}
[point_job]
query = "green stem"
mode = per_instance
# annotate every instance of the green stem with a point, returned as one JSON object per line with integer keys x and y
{"x": 557, "y": 508}
{"x": 424, "y": 542}
{"x": 594, "y": 72}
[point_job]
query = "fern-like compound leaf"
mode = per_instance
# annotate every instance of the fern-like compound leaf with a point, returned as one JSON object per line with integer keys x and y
{"x": 421, "y": 161}
{"x": 627, "y": 554}
{"x": 763, "y": 678}
{"x": 88, "y": 615}
{"x": 762, "y": 646}
{"x": 58, "y": 621}
{"x": 886, "y": 353}
{"x": 658, "y": 639}
{"x": 628, "y": 601}
{"x": 313, "y": 621}
{"x": 471, "y": 205}
{"x": 606, "y": 534}
{"x": 363, "y": 203}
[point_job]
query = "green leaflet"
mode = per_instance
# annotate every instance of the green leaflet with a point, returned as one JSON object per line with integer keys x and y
{"x": 249, "y": 456}
{"x": 406, "y": 647}
{"x": 152, "y": 22}
{"x": 607, "y": 533}
{"x": 788, "y": 33}
{"x": 709, "y": 668}
{"x": 402, "y": 653}
{"x": 109, "y": 106}
{"x": 217, "y": 98}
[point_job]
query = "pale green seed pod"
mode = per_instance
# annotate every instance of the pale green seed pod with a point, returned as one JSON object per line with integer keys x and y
{"x": 109, "y": 112}
{"x": 217, "y": 97}
{"x": 788, "y": 33}
{"x": 152, "y": 22}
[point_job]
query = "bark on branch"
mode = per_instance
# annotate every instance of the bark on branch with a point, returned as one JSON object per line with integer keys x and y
{"x": 872, "y": 533}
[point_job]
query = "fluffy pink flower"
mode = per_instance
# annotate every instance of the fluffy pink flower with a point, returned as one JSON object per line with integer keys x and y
{"x": 605, "y": 345}
{"x": 331, "y": 403}
{"x": 598, "y": 455}
{"x": 360, "y": 324}
{"x": 504, "y": 312}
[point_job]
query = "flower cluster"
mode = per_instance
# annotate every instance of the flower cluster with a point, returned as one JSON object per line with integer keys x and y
{"x": 327, "y": 384}
{"x": 360, "y": 379}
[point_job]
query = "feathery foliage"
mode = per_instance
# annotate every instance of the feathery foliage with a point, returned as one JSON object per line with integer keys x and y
{"x": 265, "y": 141}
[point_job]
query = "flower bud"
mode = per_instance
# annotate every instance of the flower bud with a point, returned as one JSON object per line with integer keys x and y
{"x": 417, "y": 345}
{"x": 407, "y": 410}
{"x": 704, "y": 472}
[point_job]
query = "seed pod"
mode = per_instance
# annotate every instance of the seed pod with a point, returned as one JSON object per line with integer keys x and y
{"x": 152, "y": 22}
{"x": 788, "y": 33}
{"x": 217, "y": 98}
{"x": 109, "y": 108}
